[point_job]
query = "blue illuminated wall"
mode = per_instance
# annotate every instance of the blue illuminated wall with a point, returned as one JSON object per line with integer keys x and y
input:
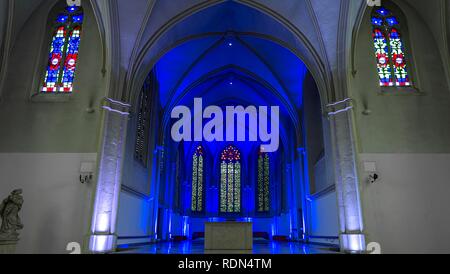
{"x": 231, "y": 87}
{"x": 224, "y": 70}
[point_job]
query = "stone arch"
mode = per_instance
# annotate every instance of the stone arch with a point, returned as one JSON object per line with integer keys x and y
{"x": 343, "y": 149}
{"x": 298, "y": 44}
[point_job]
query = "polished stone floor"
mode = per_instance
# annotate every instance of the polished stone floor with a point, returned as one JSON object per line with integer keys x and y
{"x": 197, "y": 247}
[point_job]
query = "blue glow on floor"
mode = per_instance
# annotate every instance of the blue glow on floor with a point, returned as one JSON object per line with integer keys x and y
{"x": 259, "y": 247}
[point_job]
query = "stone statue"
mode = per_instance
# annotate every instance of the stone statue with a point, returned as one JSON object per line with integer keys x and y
{"x": 9, "y": 213}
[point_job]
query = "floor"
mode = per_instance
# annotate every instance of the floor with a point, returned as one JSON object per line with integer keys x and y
{"x": 197, "y": 247}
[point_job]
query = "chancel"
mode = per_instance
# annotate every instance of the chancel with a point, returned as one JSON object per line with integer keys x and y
{"x": 233, "y": 126}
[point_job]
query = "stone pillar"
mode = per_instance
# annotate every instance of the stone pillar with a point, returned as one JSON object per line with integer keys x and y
{"x": 171, "y": 196}
{"x": 158, "y": 167}
{"x": 304, "y": 192}
{"x": 292, "y": 188}
{"x": 351, "y": 236}
{"x": 103, "y": 236}
{"x": 248, "y": 194}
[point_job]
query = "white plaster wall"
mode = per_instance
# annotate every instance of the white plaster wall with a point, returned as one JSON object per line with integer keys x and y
{"x": 320, "y": 174}
{"x": 324, "y": 212}
{"x": 282, "y": 225}
{"x": 133, "y": 217}
{"x": 407, "y": 210}
{"x": 196, "y": 225}
{"x": 57, "y": 206}
{"x": 47, "y": 127}
{"x": 177, "y": 225}
{"x": 402, "y": 122}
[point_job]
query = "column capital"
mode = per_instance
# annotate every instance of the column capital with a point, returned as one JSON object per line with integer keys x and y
{"x": 116, "y": 106}
{"x": 338, "y": 107}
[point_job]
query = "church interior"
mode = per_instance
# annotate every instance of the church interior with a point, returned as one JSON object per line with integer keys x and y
{"x": 88, "y": 157}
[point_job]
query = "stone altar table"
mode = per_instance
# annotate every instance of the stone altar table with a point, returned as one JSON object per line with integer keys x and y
{"x": 228, "y": 236}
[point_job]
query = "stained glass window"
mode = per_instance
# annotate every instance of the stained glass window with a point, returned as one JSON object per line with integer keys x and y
{"x": 143, "y": 121}
{"x": 389, "y": 49}
{"x": 198, "y": 179}
{"x": 263, "y": 187}
{"x": 63, "y": 56}
{"x": 230, "y": 180}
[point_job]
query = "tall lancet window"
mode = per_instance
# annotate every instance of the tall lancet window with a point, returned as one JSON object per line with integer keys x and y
{"x": 263, "y": 187}
{"x": 143, "y": 120}
{"x": 389, "y": 49}
{"x": 63, "y": 56}
{"x": 198, "y": 180}
{"x": 230, "y": 180}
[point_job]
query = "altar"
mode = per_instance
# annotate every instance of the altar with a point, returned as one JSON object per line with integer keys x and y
{"x": 228, "y": 236}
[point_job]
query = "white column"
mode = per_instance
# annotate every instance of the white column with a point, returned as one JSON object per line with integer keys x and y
{"x": 352, "y": 239}
{"x": 103, "y": 236}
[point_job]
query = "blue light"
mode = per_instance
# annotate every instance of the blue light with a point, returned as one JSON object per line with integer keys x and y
{"x": 230, "y": 86}
{"x": 72, "y": 8}
{"x": 383, "y": 11}
{"x": 62, "y": 19}
{"x": 377, "y": 21}
{"x": 392, "y": 21}
{"x": 78, "y": 19}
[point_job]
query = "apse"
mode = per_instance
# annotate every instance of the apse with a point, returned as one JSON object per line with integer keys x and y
{"x": 229, "y": 70}
{"x": 224, "y": 63}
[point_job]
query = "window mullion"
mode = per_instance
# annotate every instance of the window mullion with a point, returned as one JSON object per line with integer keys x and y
{"x": 64, "y": 55}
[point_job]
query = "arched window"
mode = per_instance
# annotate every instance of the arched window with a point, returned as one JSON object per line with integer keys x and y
{"x": 263, "y": 187}
{"x": 198, "y": 180}
{"x": 230, "y": 180}
{"x": 63, "y": 56}
{"x": 389, "y": 49}
{"x": 143, "y": 119}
